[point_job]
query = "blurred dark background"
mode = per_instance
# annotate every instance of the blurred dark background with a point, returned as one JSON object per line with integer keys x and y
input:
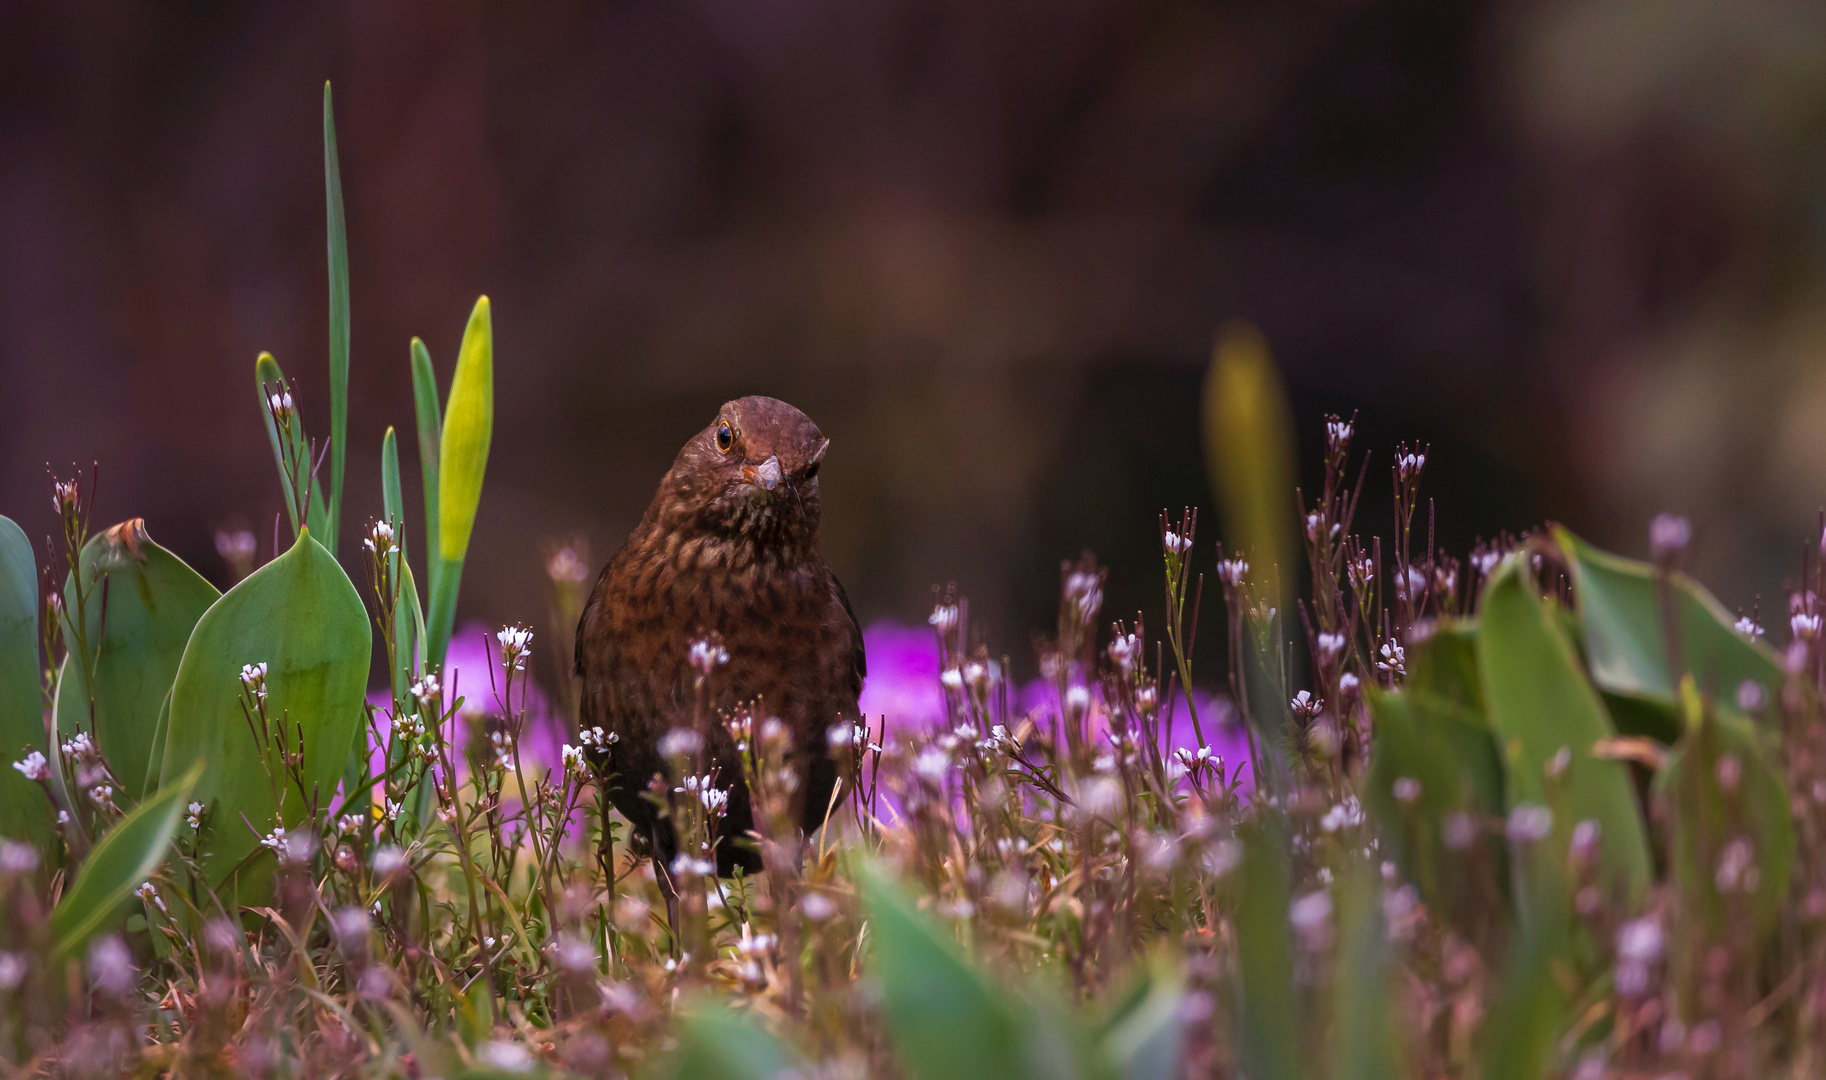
{"x": 1577, "y": 247}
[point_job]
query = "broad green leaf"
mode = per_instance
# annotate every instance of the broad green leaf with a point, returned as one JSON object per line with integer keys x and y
{"x": 1444, "y": 666}
{"x": 1145, "y": 1037}
{"x": 23, "y": 807}
{"x": 1711, "y": 805}
{"x": 129, "y": 854}
{"x": 1452, "y": 759}
{"x": 430, "y": 424}
{"x": 1272, "y": 1046}
{"x": 141, "y": 604}
{"x": 339, "y": 321}
{"x": 301, "y": 616}
{"x": 946, "y": 1020}
{"x": 714, "y": 1041}
{"x": 1620, "y": 610}
{"x": 1540, "y": 703}
{"x": 267, "y": 373}
{"x": 1366, "y": 1042}
{"x": 1528, "y": 1014}
{"x": 469, "y": 419}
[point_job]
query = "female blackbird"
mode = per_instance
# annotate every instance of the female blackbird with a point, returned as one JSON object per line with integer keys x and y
{"x": 727, "y": 547}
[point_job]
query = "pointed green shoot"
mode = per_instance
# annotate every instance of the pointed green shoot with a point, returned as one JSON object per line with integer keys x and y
{"x": 469, "y": 419}
{"x": 129, "y": 854}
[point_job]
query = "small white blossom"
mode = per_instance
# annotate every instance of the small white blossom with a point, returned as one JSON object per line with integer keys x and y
{"x": 33, "y": 766}
{"x": 12, "y": 970}
{"x": 1406, "y": 790}
{"x": 952, "y": 679}
{"x": 1347, "y": 814}
{"x": 79, "y": 747}
{"x": 680, "y": 742}
{"x": 1749, "y": 627}
{"x": 1529, "y": 822}
{"x": 1311, "y": 918}
{"x": 707, "y": 655}
{"x": 388, "y": 861}
{"x": 17, "y": 858}
{"x": 111, "y": 966}
{"x": 1124, "y": 650}
{"x": 944, "y": 618}
{"x": 150, "y": 895}
{"x": 1394, "y": 659}
{"x": 380, "y": 538}
{"x": 1305, "y": 705}
{"x": 506, "y": 1056}
{"x": 1668, "y": 535}
{"x": 281, "y": 405}
{"x": 1177, "y": 544}
{"x": 1804, "y": 625}
{"x": 253, "y": 680}
{"x": 516, "y": 646}
{"x": 1233, "y": 572}
{"x": 573, "y": 762}
{"x": 1330, "y": 646}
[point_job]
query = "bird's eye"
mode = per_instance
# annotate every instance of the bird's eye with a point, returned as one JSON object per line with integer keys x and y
{"x": 725, "y": 437}
{"x": 812, "y": 469}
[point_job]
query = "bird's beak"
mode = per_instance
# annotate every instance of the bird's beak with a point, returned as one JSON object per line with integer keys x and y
{"x": 767, "y": 474}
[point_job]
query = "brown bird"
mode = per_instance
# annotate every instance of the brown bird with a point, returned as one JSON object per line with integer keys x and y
{"x": 728, "y": 547}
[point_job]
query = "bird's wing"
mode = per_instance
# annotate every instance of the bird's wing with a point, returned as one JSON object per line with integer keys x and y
{"x": 859, "y": 662}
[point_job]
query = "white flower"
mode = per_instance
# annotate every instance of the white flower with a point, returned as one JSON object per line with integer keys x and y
{"x": 1330, "y": 645}
{"x": 33, "y": 766}
{"x": 566, "y": 567}
{"x": 572, "y": 757}
{"x": 932, "y": 763}
{"x": 680, "y": 742}
{"x": 684, "y": 866}
{"x": 1749, "y": 627}
{"x": 595, "y": 738}
{"x": 1408, "y": 465}
{"x": 817, "y": 907}
{"x": 707, "y": 655}
{"x": 1737, "y": 871}
{"x": 194, "y": 817}
{"x": 1640, "y": 940}
{"x": 1347, "y": 814}
{"x": 281, "y": 405}
{"x": 1394, "y": 659}
{"x": 78, "y": 746}
{"x": 1406, "y": 790}
{"x": 1124, "y": 649}
{"x": 350, "y": 824}
{"x": 516, "y": 646}
{"x": 1233, "y": 572}
{"x": 1804, "y": 625}
{"x": 1347, "y": 684}
{"x": 952, "y": 679}
{"x": 102, "y": 795}
{"x": 1311, "y": 918}
{"x": 236, "y": 544}
{"x": 64, "y": 495}
{"x": 1304, "y": 704}
{"x": 1177, "y": 544}
{"x": 12, "y": 970}
{"x": 1668, "y": 534}
{"x": 380, "y": 538}
{"x": 506, "y": 1056}
{"x": 1077, "y": 699}
{"x": 388, "y": 861}
{"x": 1529, "y": 822}
{"x": 408, "y": 727}
{"x": 111, "y": 966}
{"x": 1337, "y": 434}
{"x": 944, "y": 618}
{"x": 253, "y": 680}
{"x": 16, "y": 858}
{"x": 148, "y": 894}
{"x": 426, "y": 692}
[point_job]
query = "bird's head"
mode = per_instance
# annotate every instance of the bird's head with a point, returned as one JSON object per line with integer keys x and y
{"x": 752, "y": 473}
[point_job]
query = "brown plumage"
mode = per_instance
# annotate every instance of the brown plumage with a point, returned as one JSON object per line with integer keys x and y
{"x": 729, "y": 547}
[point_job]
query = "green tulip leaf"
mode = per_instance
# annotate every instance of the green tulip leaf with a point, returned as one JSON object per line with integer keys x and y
{"x": 23, "y": 807}
{"x": 299, "y": 615}
{"x": 339, "y": 321}
{"x": 1620, "y": 610}
{"x": 1540, "y": 703}
{"x": 141, "y": 603}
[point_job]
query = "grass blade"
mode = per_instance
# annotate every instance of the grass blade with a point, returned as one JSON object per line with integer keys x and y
{"x": 126, "y": 856}
{"x": 339, "y": 321}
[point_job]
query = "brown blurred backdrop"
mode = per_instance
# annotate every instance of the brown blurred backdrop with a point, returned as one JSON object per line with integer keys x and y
{"x": 1575, "y": 246}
